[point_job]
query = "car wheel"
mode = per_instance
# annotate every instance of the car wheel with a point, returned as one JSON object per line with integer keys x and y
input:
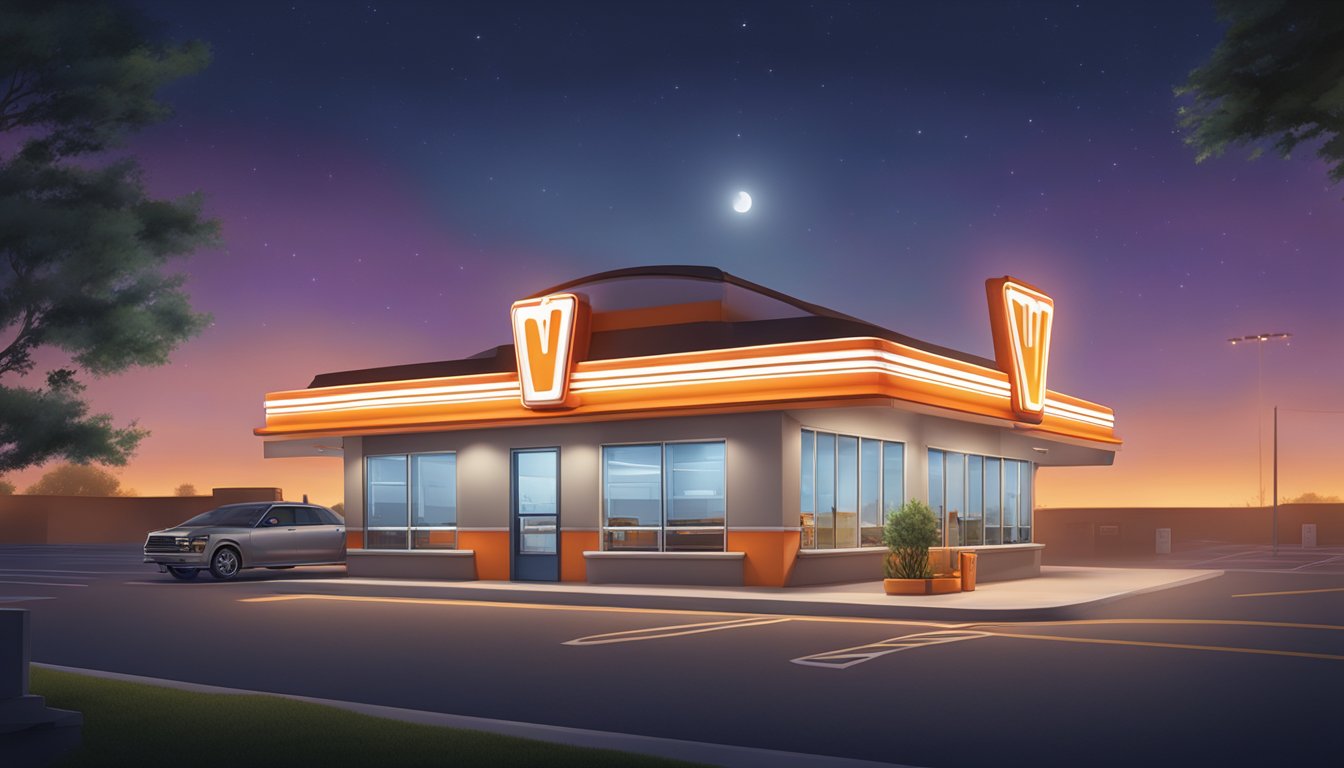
{"x": 225, "y": 563}
{"x": 183, "y": 574}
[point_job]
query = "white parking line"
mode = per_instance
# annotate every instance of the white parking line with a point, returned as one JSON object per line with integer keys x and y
{"x": 848, "y": 657}
{"x": 1320, "y": 562}
{"x": 677, "y": 630}
{"x": 43, "y": 584}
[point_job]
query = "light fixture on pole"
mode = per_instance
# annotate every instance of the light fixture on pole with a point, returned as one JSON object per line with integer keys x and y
{"x": 1260, "y": 339}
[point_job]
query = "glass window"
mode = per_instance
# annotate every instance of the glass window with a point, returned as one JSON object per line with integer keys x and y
{"x": 695, "y": 497}
{"x": 307, "y": 516}
{"x": 988, "y": 500}
{"x": 993, "y": 500}
{"x": 388, "y": 513}
{"x": 668, "y": 497}
{"x": 278, "y": 517}
{"x": 847, "y": 481}
{"x": 954, "y": 482}
{"x": 972, "y": 524}
{"x": 633, "y": 496}
{"x": 846, "y": 491}
{"x": 807, "y": 496}
{"x": 936, "y": 488}
{"x": 893, "y": 477}
{"x": 870, "y": 486}
{"x": 411, "y": 501}
{"x": 825, "y": 490}
{"x": 1024, "y": 480}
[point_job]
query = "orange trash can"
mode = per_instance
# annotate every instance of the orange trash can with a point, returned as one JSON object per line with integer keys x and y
{"x": 967, "y": 562}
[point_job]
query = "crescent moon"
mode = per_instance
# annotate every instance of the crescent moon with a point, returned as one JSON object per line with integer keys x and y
{"x": 742, "y": 203}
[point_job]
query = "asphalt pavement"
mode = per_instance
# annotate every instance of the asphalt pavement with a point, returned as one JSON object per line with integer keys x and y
{"x": 1243, "y": 669}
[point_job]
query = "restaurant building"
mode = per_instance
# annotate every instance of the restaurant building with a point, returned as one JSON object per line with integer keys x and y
{"x": 679, "y": 425}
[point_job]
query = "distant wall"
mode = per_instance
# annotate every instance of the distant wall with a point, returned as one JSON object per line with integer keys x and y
{"x": 108, "y": 519}
{"x": 1127, "y": 532}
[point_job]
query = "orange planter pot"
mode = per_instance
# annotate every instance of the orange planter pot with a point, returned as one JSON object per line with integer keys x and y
{"x": 935, "y": 586}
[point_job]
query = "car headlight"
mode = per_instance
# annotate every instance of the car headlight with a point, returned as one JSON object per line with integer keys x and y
{"x": 198, "y": 543}
{"x": 183, "y": 543}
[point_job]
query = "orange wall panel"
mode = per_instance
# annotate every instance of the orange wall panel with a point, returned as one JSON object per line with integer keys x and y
{"x": 492, "y": 553}
{"x": 354, "y": 539}
{"x": 769, "y": 555}
{"x": 572, "y": 546}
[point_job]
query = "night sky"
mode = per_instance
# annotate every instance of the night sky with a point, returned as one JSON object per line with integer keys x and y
{"x": 391, "y": 176}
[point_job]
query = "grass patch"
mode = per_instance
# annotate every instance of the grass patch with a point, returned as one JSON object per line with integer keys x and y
{"x": 133, "y": 723}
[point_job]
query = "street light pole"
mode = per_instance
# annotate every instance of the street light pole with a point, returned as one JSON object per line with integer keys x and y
{"x": 1260, "y": 339}
{"x": 1274, "y": 539}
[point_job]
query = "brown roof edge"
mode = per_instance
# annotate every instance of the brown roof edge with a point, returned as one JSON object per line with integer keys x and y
{"x": 697, "y": 272}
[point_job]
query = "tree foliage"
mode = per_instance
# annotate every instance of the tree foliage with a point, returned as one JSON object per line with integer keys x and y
{"x": 77, "y": 480}
{"x": 83, "y": 250}
{"x": 909, "y": 533}
{"x": 185, "y": 489}
{"x": 6, "y": 488}
{"x": 1311, "y": 497}
{"x": 1277, "y": 77}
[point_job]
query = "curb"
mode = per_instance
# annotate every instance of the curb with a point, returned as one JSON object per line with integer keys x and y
{"x": 729, "y": 604}
{"x": 675, "y": 749}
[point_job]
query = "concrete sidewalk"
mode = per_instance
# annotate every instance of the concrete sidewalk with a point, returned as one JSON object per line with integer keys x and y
{"x": 1054, "y": 594}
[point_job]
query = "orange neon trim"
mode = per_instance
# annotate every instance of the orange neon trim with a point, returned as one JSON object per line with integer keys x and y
{"x": 1021, "y": 318}
{"x": 745, "y": 378}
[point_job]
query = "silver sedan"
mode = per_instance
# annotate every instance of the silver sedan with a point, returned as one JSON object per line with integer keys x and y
{"x": 257, "y": 535}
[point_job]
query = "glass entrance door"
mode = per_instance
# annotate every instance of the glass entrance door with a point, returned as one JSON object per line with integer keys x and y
{"x": 536, "y": 514}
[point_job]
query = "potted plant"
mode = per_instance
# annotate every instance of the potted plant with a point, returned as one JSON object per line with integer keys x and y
{"x": 909, "y": 533}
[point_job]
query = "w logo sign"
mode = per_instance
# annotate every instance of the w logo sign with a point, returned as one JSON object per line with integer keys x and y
{"x": 545, "y": 338}
{"x": 1020, "y": 317}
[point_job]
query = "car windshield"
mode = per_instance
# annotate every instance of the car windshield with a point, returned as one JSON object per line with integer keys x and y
{"x": 239, "y": 515}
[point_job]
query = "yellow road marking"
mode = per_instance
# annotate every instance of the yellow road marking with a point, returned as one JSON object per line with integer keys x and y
{"x": 658, "y": 633}
{"x": 1181, "y": 646}
{"x": 1188, "y": 622}
{"x": 1292, "y": 592}
{"x": 595, "y": 609}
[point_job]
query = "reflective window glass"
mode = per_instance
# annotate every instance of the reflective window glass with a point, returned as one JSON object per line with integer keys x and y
{"x": 846, "y": 491}
{"x": 307, "y": 516}
{"x": 993, "y": 500}
{"x": 825, "y": 490}
{"x": 1025, "y": 481}
{"x": 387, "y": 506}
{"x": 807, "y": 490}
{"x": 536, "y": 474}
{"x": 936, "y": 488}
{"x": 870, "y": 484}
{"x": 1010, "y": 497}
{"x": 954, "y": 483}
{"x": 695, "y": 480}
{"x": 434, "y": 490}
{"x": 893, "y": 477}
{"x": 633, "y": 485}
{"x": 972, "y": 524}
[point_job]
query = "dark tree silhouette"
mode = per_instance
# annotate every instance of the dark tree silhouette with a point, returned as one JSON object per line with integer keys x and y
{"x": 82, "y": 248}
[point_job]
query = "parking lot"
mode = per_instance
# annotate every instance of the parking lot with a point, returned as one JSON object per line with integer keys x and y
{"x": 1234, "y": 670}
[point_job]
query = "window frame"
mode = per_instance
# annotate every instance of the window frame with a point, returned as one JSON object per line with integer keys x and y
{"x": 882, "y": 501}
{"x": 1026, "y": 469}
{"x": 662, "y": 528}
{"x": 409, "y": 529}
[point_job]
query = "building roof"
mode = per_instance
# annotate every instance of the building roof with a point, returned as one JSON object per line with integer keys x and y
{"x": 656, "y": 310}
